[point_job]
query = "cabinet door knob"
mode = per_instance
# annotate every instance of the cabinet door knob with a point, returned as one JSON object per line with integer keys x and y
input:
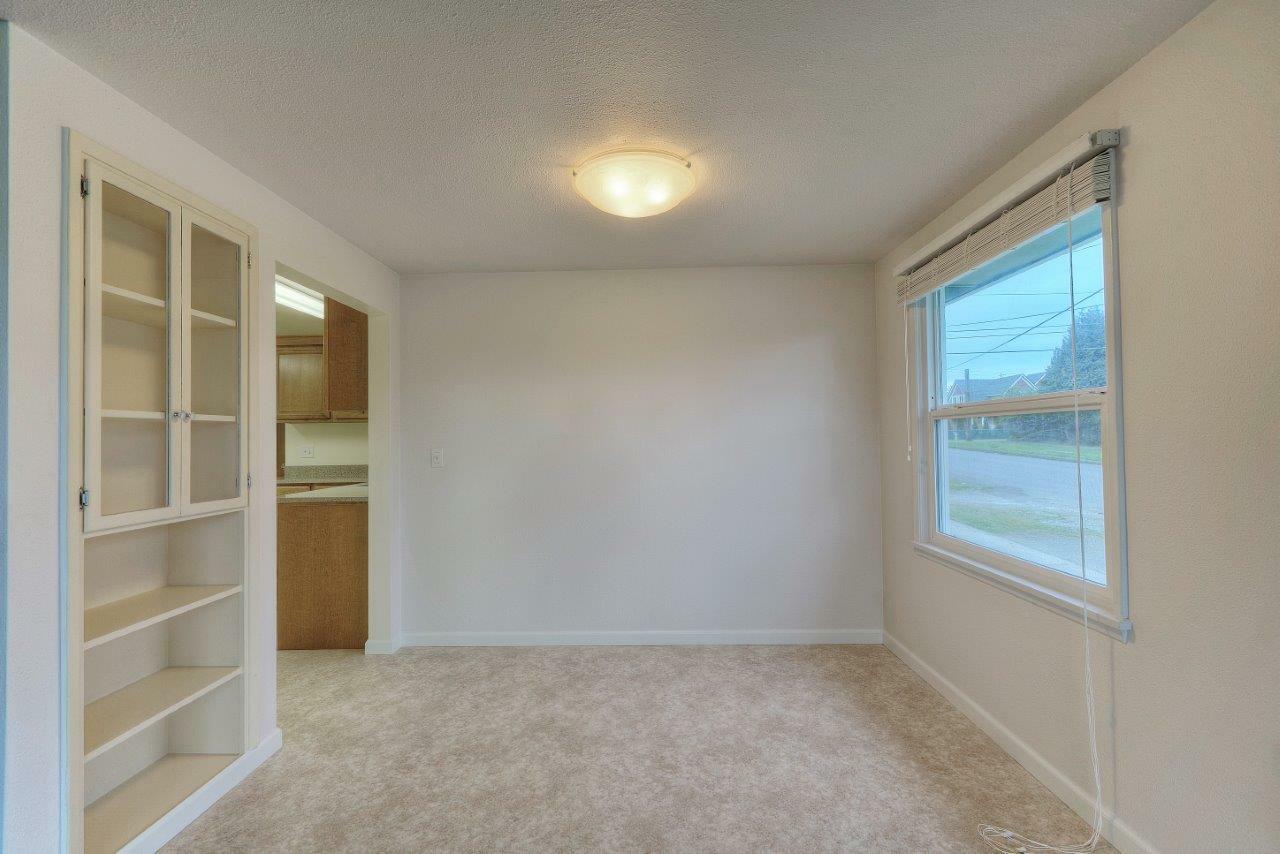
{"x": 177, "y": 413}
{"x": 186, "y": 416}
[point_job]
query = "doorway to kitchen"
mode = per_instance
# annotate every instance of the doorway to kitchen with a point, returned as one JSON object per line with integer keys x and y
{"x": 322, "y": 468}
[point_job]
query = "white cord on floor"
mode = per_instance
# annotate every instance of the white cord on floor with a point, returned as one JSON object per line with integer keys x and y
{"x": 999, "y": 838}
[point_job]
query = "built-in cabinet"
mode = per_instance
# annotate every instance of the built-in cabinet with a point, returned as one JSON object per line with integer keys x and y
{"x": 325, "y": 377}
{"x": 165, "y": 381}
{"x": 159, "y": 480}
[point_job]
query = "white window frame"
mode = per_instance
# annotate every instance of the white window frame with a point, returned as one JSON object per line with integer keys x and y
{"x": 1108, "y": 607}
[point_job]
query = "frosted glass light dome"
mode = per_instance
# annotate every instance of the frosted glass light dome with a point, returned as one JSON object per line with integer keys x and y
{"x": 634, "y": 182}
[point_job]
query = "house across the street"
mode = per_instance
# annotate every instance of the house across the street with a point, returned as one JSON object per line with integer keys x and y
{"x": 972, "y": 389}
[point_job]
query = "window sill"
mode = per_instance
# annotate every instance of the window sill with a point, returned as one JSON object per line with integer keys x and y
{"x": 1063, "y": 605}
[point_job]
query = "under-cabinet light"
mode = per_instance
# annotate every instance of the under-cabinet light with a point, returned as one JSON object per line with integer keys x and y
{"x": 299, "y": 297}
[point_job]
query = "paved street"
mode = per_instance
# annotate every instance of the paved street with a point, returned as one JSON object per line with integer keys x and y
{"x": 1050, "y": 483}
{"x": 1027, "y": 506}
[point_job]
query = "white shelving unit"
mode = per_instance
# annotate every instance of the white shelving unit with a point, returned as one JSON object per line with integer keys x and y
{"x": 159, "y": 567}
{"x": 124, "y": 616}
{"x": 144, "y": 799}
{"x": 115, "y": 717}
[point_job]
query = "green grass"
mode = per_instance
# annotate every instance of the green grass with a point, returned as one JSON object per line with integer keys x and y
{"x": 1000, "y": 491}
{"x": 1010, "y": 520}
{"x": 1042, "y": 450}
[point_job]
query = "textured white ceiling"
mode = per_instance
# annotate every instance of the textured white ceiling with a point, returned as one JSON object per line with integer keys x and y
{"x": 438, "y": 135}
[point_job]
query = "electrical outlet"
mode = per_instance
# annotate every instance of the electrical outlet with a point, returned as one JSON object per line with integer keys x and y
{"x": 437, "y": 458}
{"x": 307, "y": 452}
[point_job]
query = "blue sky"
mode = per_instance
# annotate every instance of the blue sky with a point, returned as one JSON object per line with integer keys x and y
{"x": 1013, "y": 325}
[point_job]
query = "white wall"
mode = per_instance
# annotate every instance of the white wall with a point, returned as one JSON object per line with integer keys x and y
{"x": 47, "y": 93}
{"x": 676, "y": 451}
{"x": 1189, "y": 709}
{"x": 339, "y": 444}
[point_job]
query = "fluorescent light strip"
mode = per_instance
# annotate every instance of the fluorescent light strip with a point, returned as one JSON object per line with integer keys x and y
{"x": 299, "y": 297}
{"x": 298, "y": 302}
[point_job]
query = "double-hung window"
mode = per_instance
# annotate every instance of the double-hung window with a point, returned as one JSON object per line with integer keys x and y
{"x": 1015, "y": 367}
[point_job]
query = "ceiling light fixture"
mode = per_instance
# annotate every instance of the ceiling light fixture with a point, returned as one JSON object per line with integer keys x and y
{"x": 299, "y": 297}
{"x": 634, "y": 182}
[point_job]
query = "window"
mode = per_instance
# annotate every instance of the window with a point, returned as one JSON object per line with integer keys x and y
{"x": 1020, "y": 475}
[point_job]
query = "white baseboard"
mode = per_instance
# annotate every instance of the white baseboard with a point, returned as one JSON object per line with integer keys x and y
{"x": 1119, "y": 834}
{"x": 688, "y": 638}
{"x": 155, "y": 836}
{"x": 380, "y": 647}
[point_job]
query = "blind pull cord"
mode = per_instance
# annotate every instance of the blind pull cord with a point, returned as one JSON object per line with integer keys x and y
{"x": 906, "y": 378}
{"x": 1003, "y": 839}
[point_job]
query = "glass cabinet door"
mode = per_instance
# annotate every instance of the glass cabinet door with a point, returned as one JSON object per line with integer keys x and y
{"x": 215, "y": 370}
{"x": 131, "y": 381}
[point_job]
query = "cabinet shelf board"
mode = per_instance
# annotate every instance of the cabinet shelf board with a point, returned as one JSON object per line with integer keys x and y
{"x": 142, "y": 800}
{"x": 125, "y": 616}
{"x": 124, "y": 304}
{"x": 207, "y": 320}
{"x": 115, "y": 717}
{"x": 106, "y": 532}
{"x": 204, "y": 416}
{"x": 132, "y": 415}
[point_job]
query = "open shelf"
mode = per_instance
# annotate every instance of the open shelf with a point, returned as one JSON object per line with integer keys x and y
{"x": 208, "y": 320}
{"x": 142, "y": 800}
{"x": 124, "y": 616}
{"x": 124, "y": 304}
{"x": 117, "y": 716}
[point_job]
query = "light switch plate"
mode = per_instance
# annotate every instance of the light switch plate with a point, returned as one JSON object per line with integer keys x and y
{"x": 307, "y": 452}
{"x": 437, "y": 458}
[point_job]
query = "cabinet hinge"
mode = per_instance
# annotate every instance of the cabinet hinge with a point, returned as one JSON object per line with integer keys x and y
{"x": 250, "y": 260}
{"x": 84, "y": 186}
{"x": 248, "y": 481}
{"x": 84, "y": 498}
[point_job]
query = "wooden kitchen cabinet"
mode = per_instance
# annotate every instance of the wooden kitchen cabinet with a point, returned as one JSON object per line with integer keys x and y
{"x": 325, "y": 378}
{"x": 346, "y": 357}
{"x": 291, "y": 488}
{"x": 279, "y": 450}
{"x": 322, "y": 575}
{"x": 300, "y": 379}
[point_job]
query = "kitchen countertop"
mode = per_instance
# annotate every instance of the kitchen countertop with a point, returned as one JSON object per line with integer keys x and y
{"x": 324, "y": 474}
{"x": 356, "y": 493}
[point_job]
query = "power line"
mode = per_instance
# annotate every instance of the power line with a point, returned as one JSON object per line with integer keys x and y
{"x": 1079, "y": 304}
{"x": 1002, "y": 332}
{"x": 1013, "y": 327}
{"x": 1040, "y": 350}
{"x": 1020, "y": 334}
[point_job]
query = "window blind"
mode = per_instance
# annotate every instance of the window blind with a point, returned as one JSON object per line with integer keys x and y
{"x": 1070, "y": 193}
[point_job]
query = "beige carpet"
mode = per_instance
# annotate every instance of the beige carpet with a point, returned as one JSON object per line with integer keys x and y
{"x": 689, "y": 749}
